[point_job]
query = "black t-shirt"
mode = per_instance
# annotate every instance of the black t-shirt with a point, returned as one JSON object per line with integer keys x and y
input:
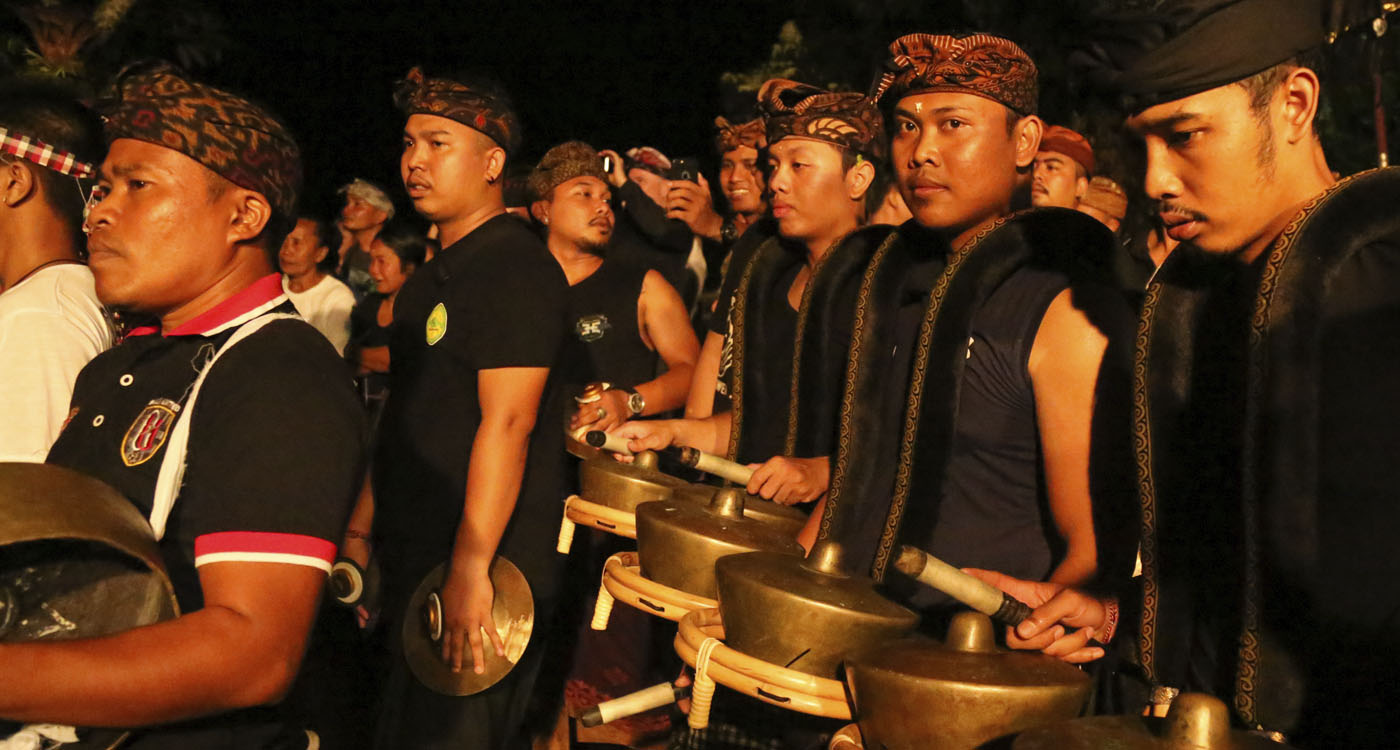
{"x": 273, "y": 464}
{"x": 494, "y": 299}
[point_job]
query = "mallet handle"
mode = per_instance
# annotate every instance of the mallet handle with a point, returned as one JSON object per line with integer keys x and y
{"x": 656, "y": 696}
{"x": 611, "y": 443}
{"x": 974, "y": 592}
{"x": 711, "y": 464}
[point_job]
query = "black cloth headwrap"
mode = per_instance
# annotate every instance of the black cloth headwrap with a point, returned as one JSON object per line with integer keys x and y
{"x": 1177, "y": 48}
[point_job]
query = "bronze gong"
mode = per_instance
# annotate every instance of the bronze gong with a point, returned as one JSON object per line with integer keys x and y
{"x": 917, "y": 693}
{"x": 605, "y": 481}
{"x": 804, "y": 614}
{"x": 77, "y": 560}
{"x": 678, "y": 542}
{"x": 1195, "y": 721}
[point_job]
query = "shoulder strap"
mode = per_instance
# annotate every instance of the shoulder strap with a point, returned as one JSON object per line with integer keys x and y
{"x": 172, "y": 467}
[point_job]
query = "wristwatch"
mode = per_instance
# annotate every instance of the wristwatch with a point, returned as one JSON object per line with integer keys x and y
{"x": 635, "y": 402}
{"x": 728, "y": 232}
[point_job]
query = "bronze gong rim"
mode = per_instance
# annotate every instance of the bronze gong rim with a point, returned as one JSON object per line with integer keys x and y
{"x": 513, "y": 613}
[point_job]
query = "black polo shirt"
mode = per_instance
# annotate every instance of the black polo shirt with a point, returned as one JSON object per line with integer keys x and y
{"x": 273, "y": 463}
{"x": 495, "y": 298}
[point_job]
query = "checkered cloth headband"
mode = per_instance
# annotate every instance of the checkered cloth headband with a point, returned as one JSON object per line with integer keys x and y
{"x": 35, "y": 150}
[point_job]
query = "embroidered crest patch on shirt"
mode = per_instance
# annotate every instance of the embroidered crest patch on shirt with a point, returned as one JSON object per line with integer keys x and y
{"x": 148, "y": 433}
{"x": 590, "y": 328}
{"x": 437, "y": 324}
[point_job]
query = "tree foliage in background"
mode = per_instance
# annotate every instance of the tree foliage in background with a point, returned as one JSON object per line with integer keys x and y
{"x": 83, "y": 42}
{"x": 841, "y": 44}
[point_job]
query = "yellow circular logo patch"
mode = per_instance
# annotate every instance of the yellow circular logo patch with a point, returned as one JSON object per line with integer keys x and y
{"x": 437, "y": 324}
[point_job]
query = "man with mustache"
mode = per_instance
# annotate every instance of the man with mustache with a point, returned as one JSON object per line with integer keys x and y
{"x": 621, "y": 316}
{"x": 823, "y": 149}
{"x": 1265, "y": 422}
{"x": 470, "y": 457}
{"x": 1062, "y": 170}
{"x": 196, "y": 192}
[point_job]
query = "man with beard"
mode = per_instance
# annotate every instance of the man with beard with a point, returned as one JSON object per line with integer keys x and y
{"x": 823, "y": 150}
{"x": 1265, "y": 428}
{"x": 470, "y": 457}
{"x": 621, "y": 317}
{"x": 1062, "y": 170}
{"x": 231, "y": 426}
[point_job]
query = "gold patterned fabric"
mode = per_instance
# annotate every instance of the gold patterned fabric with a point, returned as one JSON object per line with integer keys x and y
{"x": 843, "y": 118}
{"x": 729, "y": 136}
{"x": 979, "y": 64}
{"x": 418, "y": 94}
{"x": 240, "y": 141}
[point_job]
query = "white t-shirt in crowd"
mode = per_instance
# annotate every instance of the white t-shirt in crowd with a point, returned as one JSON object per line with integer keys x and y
{"x": 51, "y": 325}
{"x": 326, "y": 306}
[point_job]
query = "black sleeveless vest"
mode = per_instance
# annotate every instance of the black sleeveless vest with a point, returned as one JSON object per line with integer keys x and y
{"x": 604, "y": 342}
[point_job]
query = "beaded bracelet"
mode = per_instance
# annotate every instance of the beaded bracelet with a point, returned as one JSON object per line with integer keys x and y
{"x": 1110, "y": 622}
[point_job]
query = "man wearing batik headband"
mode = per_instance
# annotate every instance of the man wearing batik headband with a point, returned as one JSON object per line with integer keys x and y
{"x": 1062, "y": 170}
{"x": 1270, "y": 350}
{"x": 822, "y": 153}
{"x": 742, "y": 182}
{"x": 196, "y": 190}
{"x": 740, "y": 179}
{"x": 998, "y": 384}
{"x": 51, "y": 323}
{"x": 470, "y": 457}
{"x": 624, "y": 319}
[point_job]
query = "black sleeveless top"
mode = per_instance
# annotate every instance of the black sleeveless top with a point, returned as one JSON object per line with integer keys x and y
{"x": 604, "y": 339}
{"x": 993, "y": 512}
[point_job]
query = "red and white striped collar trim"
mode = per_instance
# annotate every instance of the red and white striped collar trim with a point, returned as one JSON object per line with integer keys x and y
{"x": 260, "y": 297}
{"x": 35, "y": 150}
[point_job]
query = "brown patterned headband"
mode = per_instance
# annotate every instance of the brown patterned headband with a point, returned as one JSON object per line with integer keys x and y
{"x": 729, "y": 136}
{"x": 240, "y": 141}
{"x": 980, "y": 64}
{"x": 417, "y": 94}
{"x": 845, "y": 119}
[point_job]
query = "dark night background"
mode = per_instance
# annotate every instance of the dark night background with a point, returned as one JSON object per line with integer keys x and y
{"x": 616, "y": 73}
